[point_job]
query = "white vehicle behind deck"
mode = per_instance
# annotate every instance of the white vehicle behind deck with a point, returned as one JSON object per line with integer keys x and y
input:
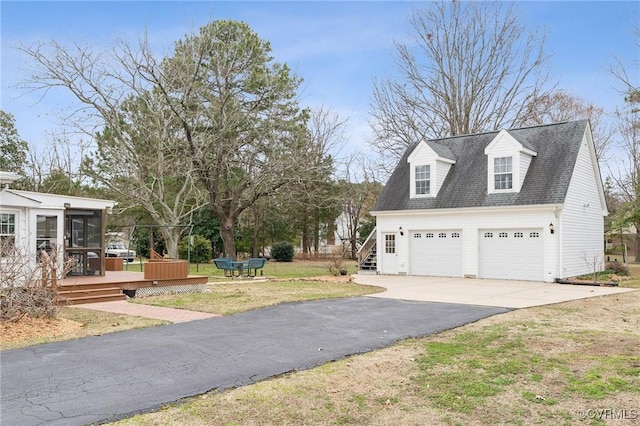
{"x": 120, "y": 250}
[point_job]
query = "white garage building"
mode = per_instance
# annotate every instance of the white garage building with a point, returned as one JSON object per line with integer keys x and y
{"x": 521, "y": 204}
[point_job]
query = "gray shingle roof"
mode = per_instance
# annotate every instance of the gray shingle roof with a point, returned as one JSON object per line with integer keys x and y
{"x": 546, "y": 182}
{"x": 441, "y": 150}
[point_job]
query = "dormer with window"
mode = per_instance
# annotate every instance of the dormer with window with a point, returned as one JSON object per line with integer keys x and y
{"x": 429, "y": 164}
{"x": 508, "y": 160}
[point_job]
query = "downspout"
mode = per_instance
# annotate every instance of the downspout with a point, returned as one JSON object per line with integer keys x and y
{"x": 556, "y": 214}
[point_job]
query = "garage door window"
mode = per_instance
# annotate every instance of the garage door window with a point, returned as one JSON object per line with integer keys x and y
{"x": 488, "y": 234}
{"x": 534, "y": 235}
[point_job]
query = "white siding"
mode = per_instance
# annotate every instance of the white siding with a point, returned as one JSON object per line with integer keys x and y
{"x": 423, "y": 154}
{"x": 442, "y": 169}
{"x": 470, "y": 222}
{"x": 525, "y": 160}
{"x": 581, "y": 226}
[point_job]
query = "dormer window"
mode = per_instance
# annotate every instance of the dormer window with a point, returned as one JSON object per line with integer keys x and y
{"x": 429, "y": 164}
{"x": 503, "y": 173}
{"x": 423, "y": 180}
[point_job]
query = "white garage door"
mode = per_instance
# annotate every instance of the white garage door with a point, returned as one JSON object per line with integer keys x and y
{"x": 436, "y": 253}
{"x": 511, "y": 254}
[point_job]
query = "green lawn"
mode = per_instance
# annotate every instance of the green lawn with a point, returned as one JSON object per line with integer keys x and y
{"x": 273, "y": 269}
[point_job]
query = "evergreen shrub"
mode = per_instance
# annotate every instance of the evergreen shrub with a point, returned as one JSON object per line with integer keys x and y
{"x": 282, "y": 251}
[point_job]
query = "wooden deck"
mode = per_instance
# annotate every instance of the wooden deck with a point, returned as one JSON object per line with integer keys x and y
{"x": 111, "y": 286}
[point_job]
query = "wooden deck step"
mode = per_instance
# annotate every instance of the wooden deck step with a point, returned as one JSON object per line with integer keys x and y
{"x": 108, "y": 291}
{"x": 92, "y": 299}
{"x": 75, "y": 296}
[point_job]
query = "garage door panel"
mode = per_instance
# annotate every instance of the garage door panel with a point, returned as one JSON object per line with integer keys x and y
{"x": 511, "y": 254}
{"x": 436, "y": 253}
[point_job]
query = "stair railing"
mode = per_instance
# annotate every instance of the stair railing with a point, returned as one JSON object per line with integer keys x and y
{"x": 367, "y": 246}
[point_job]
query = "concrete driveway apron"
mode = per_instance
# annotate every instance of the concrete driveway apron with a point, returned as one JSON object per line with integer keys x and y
{"x": 99, "y": 379}
{"x": 482, "y": 292}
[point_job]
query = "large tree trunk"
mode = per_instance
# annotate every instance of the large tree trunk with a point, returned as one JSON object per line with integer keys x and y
{"x": 316, "y": 234}
{"x": 305, "y": 241}
{"x": 228, "y": 238}
{"x": 637, "y": 245}
{"x": 256, "y": 233}
{"x": 354, "y": 239}
{"x": 172, "y": 240}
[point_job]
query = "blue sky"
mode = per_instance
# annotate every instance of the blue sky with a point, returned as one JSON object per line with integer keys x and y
{"x": 338, "y": 47}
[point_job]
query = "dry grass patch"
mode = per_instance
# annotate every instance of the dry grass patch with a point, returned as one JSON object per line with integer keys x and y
{"x": 536, "y": 366}
{"x": 71, "y": 323}
{"x": 241, "y": 296}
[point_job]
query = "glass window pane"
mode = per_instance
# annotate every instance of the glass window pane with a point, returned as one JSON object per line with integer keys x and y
{"x": 94, "y": 231}
{"x": 47, "y": 232}
{"x": 423, "y": 179}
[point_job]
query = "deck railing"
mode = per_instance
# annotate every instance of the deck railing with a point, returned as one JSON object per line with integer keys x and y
{"x": 159, "y": 268}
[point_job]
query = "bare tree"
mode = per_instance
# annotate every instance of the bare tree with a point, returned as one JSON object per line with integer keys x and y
{"x": 626, "y": 171}
{"x": 359, "y": 191}
{"x": 626, "y": 174}
{"x": 561, "y": 106}
{"x": 136, "y": 135}
{"x": 470, "y": 67}
{"x": 314, "y": 202}
{"x": 56, "y": 167}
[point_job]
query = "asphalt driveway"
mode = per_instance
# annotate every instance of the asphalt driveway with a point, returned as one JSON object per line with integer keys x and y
{"x": 109, "y": 377}
{"x": 483, "y": 292}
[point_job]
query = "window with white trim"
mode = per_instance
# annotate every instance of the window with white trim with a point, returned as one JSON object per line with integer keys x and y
{"x": 503, "y": 173}
{"x": 7, "y": 233}
{"x": 423, "y": 180}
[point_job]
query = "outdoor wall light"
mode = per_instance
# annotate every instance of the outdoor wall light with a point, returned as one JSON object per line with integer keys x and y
{"x": 67, "y": 205}
{"x": 401, "y": 231}
{"x": 552, "y": 228}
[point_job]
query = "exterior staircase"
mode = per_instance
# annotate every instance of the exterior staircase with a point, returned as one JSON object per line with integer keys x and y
{"x": 369, "y": 263}
{"x": 76, "y": 294}
{"x": 367, "y": 255}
